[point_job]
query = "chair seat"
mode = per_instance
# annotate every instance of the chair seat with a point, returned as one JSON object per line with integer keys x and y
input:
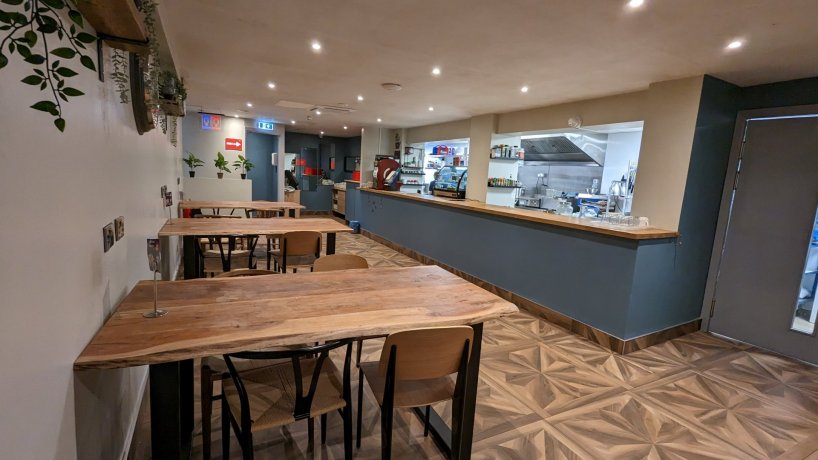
{"x": 306, "y": 260}
{"x": 409, "y": 393}
{"x": 271, "y": 391}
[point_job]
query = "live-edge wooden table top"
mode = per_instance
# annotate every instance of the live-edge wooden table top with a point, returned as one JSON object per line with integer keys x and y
{"x": 215, "y": 316}
{"x": 258, "y": 205}
{"x": 189, "y": 227}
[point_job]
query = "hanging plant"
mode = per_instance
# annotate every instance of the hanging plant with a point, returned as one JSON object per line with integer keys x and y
{"x": 174, "y": 131}
{"x": 154, "y": 65}
{"x": 35, "y": 22}
{"x": 119, "y": 74}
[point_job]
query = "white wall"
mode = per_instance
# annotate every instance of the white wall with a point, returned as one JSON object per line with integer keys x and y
{"x": 205, "y": 144}
{"x": 58, "y": 191}
{"x": 623, "y": 149}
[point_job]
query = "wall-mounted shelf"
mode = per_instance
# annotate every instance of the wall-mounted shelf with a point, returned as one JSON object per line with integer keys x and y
{"x": 504, "y": 186}
{"x": 117, "y": 22}
{"x": 506, "y": 158}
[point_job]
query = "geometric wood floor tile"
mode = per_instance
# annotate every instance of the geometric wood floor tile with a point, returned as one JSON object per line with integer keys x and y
{"x": 535, "y": 327}
{"x": 760, "y": 428}
{"x": 537, "y": 440}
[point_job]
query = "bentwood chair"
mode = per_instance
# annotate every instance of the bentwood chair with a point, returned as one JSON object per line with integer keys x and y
{"x": 339, "y": 262}
{"x": 307, "y": 386}
{"x": 219, "y": 254}
{"x": 298, "y": 249}
{"x": 214, "y": 369}
{"x": 415, "y": 370}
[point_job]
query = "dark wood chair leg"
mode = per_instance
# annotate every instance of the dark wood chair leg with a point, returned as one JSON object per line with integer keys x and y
{"x": 225, "y": 429}
{"x": 426, "y": 422}
{"x": 206, "y": 398}
{"x": 360, "y": 404}
{"x": 386, "y": 432}
{"x": 323, "y": 429}
{"x": 310, "y": 432}
{"x": 347, "y": 413}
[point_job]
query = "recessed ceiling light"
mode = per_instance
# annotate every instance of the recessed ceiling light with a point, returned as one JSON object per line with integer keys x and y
{"x": 316, "y": 46}
{"x": 379, "y": 120}
{"x": 271, "y": 85}
{"x": 322, "y": 133}
{"x": 636, "y": 3}
{"x": 346, "y": 127}
{"x": 235, "y": 116}
{"x": 249, "y": 104}
{"x": 735, "y": 44}
{"x": 431, "y": 109}
{"x": 292, "y": 122}
{"x": 524, "y": 89}
{"x": 318, "y": 112}
{"x": 435, "y": 70}
{"x": 360, "y": 98}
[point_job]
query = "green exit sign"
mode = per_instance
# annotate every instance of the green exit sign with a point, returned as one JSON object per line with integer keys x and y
{"x": 266, "y": 125}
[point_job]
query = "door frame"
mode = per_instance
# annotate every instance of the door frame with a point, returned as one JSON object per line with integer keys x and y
{"x": 742, "y": 118}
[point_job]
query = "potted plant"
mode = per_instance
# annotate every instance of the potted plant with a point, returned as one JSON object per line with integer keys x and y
{"x": 221, "y": 165}
{"x": 192, "y": 163}
{"x": 245, "y": 166}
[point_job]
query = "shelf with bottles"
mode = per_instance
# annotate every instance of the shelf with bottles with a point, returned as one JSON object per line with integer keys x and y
{"x": 506, "y": 152}
{"x": 502, "y": 182}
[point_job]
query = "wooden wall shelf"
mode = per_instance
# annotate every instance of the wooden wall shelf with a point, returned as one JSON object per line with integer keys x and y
{"x": 118, "y": 22}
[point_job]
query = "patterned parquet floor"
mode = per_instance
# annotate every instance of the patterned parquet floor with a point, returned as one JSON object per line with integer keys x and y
{"x": 547, "y": 394}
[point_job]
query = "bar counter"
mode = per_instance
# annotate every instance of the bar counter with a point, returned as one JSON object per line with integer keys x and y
{"x": 633, "y": 233}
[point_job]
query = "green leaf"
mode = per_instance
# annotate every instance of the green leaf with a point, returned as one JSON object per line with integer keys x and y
{"x": 39, "y": 72}
{"x": 23, "y": 51}
{"x": 56, "y": 4}
{"x": 32, "y": 80}
{"x": 86, "y": 37}
{"x": 76, "y": 17}
{"x": 46, "y": 106}
{"x": 31, "y": 37}
{"x": 60, "y": 124}
{"x": 73, "y": 92}
{"x": 65, "y": 72}
{"x": 19, "y": 18}
{"x": 12, "y": 2}
{"x": 3, "y": 60}
{"x": 47, "y": 28}
{"x": 64, "y": 52}
{"x": 35, "y": 59}
{"x": 88, "y": 63}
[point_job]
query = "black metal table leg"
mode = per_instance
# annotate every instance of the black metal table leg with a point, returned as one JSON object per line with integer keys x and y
{"x": 191, "y": 261}
{"x": 171, "y": 386}
{"x": 330, "y": 243}
{"x": 456, "y": 442}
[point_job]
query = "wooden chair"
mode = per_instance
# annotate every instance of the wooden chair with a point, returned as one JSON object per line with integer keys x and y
{"x": 415, "y": 371}
{"x": 265, "y": 397}
{"x": 298, "y": 249}
{"x": 221, "y": 254}
{"x": 214, "y": 369}
{"x": 339, "y": 262}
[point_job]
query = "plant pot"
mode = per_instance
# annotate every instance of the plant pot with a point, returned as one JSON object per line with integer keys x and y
{"x": 220, "y": 175}
{"x": 192, "y": 173}
{"x": 244, "y": 176}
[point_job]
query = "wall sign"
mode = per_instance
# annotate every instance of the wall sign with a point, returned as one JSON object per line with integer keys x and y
{"x": 266, "y": 125}
{"x": 211, "y": 122}
{"x": 232, "y": 144}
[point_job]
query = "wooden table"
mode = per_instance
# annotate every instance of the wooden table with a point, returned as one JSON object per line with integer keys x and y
{"x": 192, "y": 228}
{"x": 258, "y": 205}
{"x": 223, "y": 315}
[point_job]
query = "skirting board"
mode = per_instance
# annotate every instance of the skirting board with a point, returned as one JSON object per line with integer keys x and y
{"x": 615, "y": 344}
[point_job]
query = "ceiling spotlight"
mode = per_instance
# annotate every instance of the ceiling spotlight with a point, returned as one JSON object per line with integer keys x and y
{"x": 316, "y": 46}
{"x": 292, "y": 122}
{"x": 735, "y": 44}
{"x": 318, "y": 112}
{"x": 322, "y": 133}
{"x": 271, "y": 85}
{"x": 360, "y": 98}
{"x": 435, "y": 70}
{"x": 636, "y": 3}
{"x": 379, "y": 120}
{"x": 524, "y": 89}
{"x": 431, "y": 109}
{"x": 249, "y": 104}
{"x": 346, "y": 127}
{"x": 235, "y": 116}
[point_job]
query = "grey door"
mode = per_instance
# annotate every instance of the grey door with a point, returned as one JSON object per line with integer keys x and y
{"x": 768, "y": 238}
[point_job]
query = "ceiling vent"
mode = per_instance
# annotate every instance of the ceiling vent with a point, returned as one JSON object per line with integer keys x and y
{"x": 331, "y": 109}
{"x": 391, "y": 86}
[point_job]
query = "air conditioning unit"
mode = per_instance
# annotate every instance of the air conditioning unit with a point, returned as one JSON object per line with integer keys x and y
{"x": 338, "y": 109}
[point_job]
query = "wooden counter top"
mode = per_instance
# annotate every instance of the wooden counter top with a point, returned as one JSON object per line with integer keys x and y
{"x": 187, "y": 227}
{"x": 259, "y": 205}
{"x": 633, "y": 233}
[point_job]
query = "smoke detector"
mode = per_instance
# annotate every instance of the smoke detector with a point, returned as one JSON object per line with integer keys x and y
{"x": 391, "y": 86}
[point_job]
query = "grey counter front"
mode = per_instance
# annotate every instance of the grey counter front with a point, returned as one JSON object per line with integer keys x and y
{"x": 625, "y": 283}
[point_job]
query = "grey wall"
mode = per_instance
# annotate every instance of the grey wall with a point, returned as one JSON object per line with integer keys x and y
{"x": 320, "y": 199}
{"x": 781, "y": 94}
{"x": 259, "y": 148}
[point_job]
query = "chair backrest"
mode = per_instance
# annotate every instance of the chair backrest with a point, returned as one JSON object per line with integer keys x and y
{"x": 303, "y": 399}
{"x": 301, "y": 243}
{"x": 248, "y": 244}
{"x": 339, "y": 262}
{"x": 426, "y": 353}
{"x": 241, "y": 272}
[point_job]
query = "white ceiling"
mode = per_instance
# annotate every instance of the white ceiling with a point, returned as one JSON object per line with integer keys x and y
{"x": 487, "y": 49}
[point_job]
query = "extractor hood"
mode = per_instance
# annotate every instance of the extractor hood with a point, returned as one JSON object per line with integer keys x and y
{"x": 568, "y": 149}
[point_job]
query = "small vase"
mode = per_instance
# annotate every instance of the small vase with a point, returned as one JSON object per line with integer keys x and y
{"x": 192, "y": 173}
{"x": 220, "y": 175}
{"x": 244, "y": 176}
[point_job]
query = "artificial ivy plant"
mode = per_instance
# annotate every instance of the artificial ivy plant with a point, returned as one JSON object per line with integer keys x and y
{"x": 28, "y": 23}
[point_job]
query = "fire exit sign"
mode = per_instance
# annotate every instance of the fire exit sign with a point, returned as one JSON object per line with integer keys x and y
{"x": 266, "y": 125}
